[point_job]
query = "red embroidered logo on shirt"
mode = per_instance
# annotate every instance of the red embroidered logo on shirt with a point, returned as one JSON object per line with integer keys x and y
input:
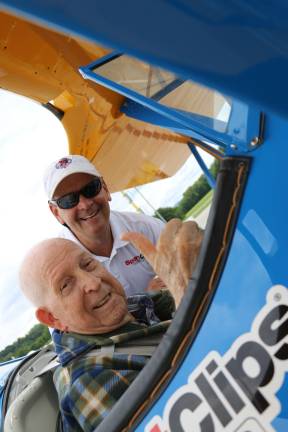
{"x": 135, "y": 260}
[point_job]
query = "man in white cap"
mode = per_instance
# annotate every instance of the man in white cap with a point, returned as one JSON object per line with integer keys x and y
{"x": 79, "y": 199}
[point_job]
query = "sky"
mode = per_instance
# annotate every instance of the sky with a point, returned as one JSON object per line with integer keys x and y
{"x": 30, "y": 138}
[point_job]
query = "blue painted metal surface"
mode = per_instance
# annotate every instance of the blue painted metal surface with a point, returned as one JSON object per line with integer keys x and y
{"x": 257, "y": 261}
{"x": 241, "y": 49}
{"x": 243, "y": 127}
{"x": 202, "y": 165}
{"x": 236, "y": 48}
{"x": 203, "y": 126}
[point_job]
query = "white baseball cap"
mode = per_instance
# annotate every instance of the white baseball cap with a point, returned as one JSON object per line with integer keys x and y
{"x": 64, "y": 167}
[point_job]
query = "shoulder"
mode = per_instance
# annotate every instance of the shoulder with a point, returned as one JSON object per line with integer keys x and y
{"x": 65, "y": 233}
{"x": 95, "y": 371}
{"x": 137, "y": 222}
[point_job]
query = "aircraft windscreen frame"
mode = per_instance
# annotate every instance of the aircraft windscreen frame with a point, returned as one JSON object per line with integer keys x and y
{"x": 237, "y": 124}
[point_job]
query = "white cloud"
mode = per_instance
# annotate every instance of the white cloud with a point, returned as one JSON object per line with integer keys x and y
{"x": 30, "y": 138}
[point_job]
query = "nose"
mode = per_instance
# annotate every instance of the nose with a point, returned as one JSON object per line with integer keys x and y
{"x": 84, "y": 203}
{"x": 91, "y": 283}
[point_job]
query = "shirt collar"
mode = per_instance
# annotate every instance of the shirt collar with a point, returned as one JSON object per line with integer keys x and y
{"x": 118, "y": 227}
{"x": 70, "y": 345}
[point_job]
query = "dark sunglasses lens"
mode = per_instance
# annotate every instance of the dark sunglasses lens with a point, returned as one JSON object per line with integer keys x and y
{"x": 92, "y": 189}
{"x": 68, "y": 201}
{"x": 72, "y": 199}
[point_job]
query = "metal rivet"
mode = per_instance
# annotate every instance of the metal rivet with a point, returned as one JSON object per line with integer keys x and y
{"x": 254, "y": 142}
{"x": 233, "y": 146}
{"x": 277, "y": 297}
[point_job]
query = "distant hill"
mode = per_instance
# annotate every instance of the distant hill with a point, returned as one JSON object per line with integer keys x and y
{"x": 37, "y": 337}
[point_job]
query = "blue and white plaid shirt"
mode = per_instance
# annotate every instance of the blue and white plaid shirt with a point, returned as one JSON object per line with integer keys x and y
{"x": 89, "y": 386}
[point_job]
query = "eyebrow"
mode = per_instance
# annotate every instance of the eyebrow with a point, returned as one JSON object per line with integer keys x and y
{"x": 85, "y": 255}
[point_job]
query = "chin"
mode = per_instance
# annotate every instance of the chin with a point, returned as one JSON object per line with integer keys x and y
{"x": 119, "y": 317}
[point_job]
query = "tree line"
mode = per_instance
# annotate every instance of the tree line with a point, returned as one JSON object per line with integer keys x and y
{"x": 36, "y": 338}
{"x": 190, "y": 197}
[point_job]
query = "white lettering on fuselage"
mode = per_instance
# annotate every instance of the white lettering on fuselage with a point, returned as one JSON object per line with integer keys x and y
{"x": 236, "y": 391}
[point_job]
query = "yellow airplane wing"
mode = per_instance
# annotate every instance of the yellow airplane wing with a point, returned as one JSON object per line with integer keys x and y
{"x": 43, "y": 65}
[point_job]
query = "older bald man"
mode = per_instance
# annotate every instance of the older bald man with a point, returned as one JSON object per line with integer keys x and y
{"x": 74, "y": 294}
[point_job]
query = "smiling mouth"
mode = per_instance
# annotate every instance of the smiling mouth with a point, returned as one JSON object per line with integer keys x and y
{"x": 90, "y": 216}
{"x": 103, "y": 301}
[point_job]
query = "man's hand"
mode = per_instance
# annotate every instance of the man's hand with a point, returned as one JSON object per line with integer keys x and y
{"x": 175, "y": 255}
{"x": 155, "y": 284}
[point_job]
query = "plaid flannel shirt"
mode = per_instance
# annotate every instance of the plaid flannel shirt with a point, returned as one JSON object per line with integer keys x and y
{"x": 89, "y": 386}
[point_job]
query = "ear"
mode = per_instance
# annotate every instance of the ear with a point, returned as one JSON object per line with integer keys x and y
{"x": 48, "y": 319}
{"x": 55, "y": 210}
{"x": 105, "y": 187}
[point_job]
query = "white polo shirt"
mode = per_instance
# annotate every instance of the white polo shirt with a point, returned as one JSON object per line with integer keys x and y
{"x": 125, "y": 262}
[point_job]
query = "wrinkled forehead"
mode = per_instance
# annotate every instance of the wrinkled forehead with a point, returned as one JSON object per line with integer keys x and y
{"x": 59, "y": 257}
{"x": 70, "y": 251}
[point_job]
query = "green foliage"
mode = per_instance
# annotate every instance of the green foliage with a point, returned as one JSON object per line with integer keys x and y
{"x": 191, "y": 196}
{"x": 37, "y": 337}
{"x": 200, "y": 206}
{"x": 168, "y": 213}
{"x": 215, "y": 168}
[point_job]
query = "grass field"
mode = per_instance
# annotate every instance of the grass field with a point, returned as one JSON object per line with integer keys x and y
{"x": 200, "y": 206}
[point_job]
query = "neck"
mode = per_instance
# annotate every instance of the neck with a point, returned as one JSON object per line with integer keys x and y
{"x": 101, "y": 244}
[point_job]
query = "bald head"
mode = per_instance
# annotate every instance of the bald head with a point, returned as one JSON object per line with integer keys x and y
{"x": 71, "y": 290}
{"x": 33, "y": 282}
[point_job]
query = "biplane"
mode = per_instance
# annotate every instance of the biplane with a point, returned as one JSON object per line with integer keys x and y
{"x": 138, "y": 87}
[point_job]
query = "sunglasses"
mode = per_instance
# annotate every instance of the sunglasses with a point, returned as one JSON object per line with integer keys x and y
{"x": 90, "y": 190}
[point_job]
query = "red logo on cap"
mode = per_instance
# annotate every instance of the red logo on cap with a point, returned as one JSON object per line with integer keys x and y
{"x": 63, "y": 163}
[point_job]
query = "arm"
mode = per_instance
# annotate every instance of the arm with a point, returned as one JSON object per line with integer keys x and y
{"x": 153, "y": 229}
{"x": 175, "y": 255}
{"x": 155, "y": 284}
